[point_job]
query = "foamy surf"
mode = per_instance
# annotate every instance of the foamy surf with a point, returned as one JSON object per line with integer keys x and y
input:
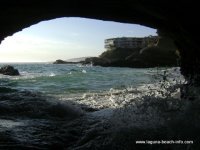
{"x": 61, "y": 107}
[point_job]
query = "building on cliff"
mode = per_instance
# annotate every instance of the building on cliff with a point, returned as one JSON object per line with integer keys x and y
{"x": 130, "y": 42}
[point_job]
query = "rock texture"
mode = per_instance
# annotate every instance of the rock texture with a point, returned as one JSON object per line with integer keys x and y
{"x": 9, "y": 70}
{"x": 177, "y": 19}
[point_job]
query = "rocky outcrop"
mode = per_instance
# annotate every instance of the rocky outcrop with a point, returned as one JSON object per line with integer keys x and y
{"x": 177, "y": 20}
{"x": 161, "y": 55}
{"x": 96, "y": 61}
{"x": 59, "y": 61}
{"x": 9, "y": 70}
{"x": 154, "y": 57}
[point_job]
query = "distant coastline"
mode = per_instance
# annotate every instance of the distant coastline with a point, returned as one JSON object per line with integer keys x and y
{"x": 162, "y": 53}
{"x": 59, "y": 61}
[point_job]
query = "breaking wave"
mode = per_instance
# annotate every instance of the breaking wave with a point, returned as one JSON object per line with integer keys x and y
{"x": 85, "y": 107}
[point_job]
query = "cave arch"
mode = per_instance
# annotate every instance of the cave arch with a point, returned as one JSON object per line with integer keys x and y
{"x": 174, "y": 19}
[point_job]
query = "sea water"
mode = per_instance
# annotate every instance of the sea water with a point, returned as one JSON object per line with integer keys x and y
{"x": 67, "y": 79}
{"x": 49, "y": 104}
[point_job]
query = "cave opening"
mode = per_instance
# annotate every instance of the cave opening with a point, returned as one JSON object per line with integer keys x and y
{"x": 148, "y": 121}
{"x": 67, "y": 38}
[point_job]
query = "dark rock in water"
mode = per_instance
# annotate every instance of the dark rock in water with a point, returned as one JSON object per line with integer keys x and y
{"x": 59, "y": 61}
{"x": 9, "y": 70}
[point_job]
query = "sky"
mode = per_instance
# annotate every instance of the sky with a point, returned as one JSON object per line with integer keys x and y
{"x": 65, "y": 38}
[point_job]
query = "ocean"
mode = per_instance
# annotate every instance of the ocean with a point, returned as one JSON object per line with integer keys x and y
{"x": 74, "y": 106}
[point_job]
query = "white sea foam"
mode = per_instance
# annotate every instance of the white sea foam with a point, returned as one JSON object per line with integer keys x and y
{"x": 117, "y": 96}
{"x": 52, "y": 74}
{"x": 84, "y": 71}
{"x": 115, "y": 99}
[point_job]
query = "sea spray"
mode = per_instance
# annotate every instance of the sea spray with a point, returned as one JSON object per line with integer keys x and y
{"x": 104, "y": 108}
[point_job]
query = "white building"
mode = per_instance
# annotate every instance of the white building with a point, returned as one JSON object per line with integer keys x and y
{"x": 129, "y": 42}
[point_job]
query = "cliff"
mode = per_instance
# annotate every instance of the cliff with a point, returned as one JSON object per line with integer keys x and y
{"x": 161, "y": 55}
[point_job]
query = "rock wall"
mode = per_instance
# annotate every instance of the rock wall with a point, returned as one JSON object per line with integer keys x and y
{"x": 177, "y": 20}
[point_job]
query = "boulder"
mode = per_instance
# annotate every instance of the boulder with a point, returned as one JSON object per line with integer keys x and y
{"x": 9, "y": 70}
